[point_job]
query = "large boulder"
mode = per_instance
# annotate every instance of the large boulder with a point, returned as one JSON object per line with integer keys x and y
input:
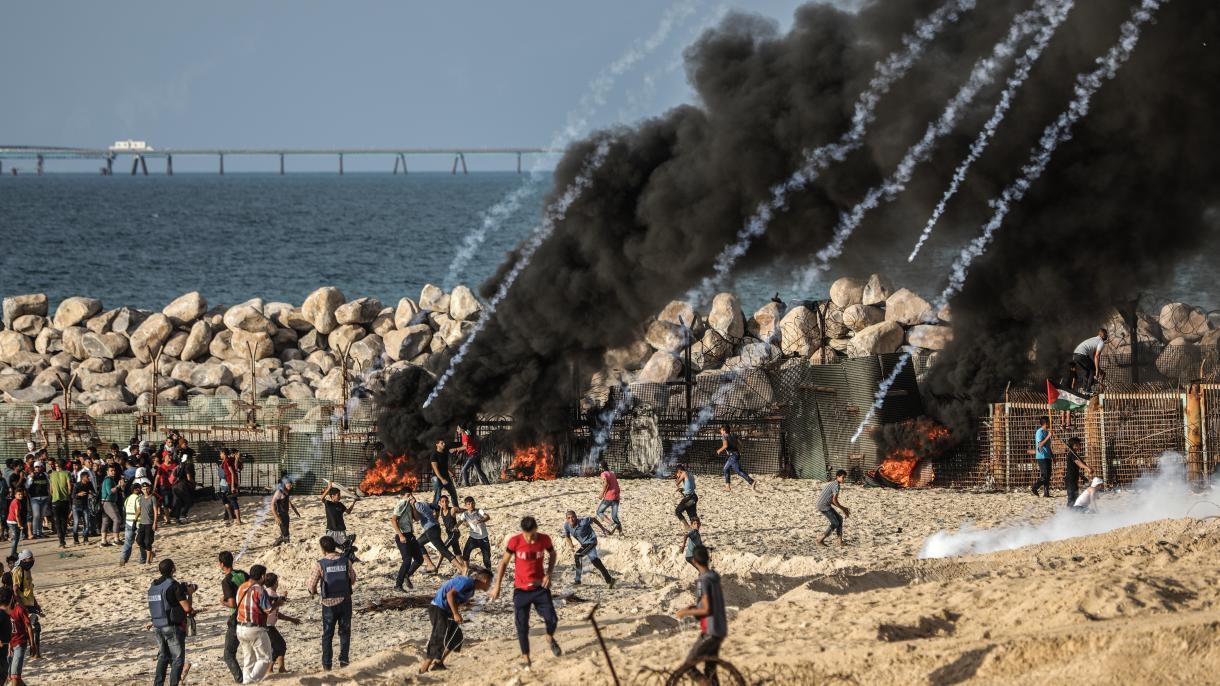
{"x": 28, "y": 363}
{"x": 36, "y": 393}
{"x": 108, "y": 345}
{"x": 150, "y": 336}
{"x": 74, "y": 310}
{"x": 319, "y": 308}
{"x": 908, "y": 309}
{"x": 366, "y": 351}
{"x": 296, "y": 390}
{"x": 682, "y": 313}
{"x": 49, "y": 341}
{"x": 74, "y": 341}
{"x": 1179, "y": 361}
{"x": 800, "y": 331}
{"x": 860, "y": 317}
{"x": 246, "y": 317}
{"x": 106, "y": 407}
{"x": 665, "y": 336}
{"x": 141, "y": 381}
{"x": 463, "y": 306}
{"x": 877, "y": 339}
{"x": 757, "y": 353}
{"x": 344, "y": 336}
{"x": 12, "y": 342}
{"x": 127, "y": 320}
{"x": 221, "y": 345}
{"x": 11, "y": 379}
{"x": 661, "y": 367}
{"x": 384, "y": 323}
{"x": 406, "y": 314}
{"x": 725, "y": 316}
{"x": 285, "y": 338}
{"x": 185, "y": 309}
{"x": 876, "y": 291}
{"x": 1179, "y": 320}
{"x": 102, "y": 322}
{"x": 433, "y": 299}
{"x": 710, "y": 351}
{"x": 211, "y": 375}
{"x": 175, "y": 345}
{"x": 630, "y": 357}
{"x": 243, "y": 342}
{"x": 17, "y": 305}
{"x": 832, "y": 320}
{"x": 930, "y": 336}
{"x": 408, "y": 343}
{"x": 311, "y": 342}
{"x": 91, "y": 381}
{"x": 197, "y": 341}
{"x": 846, "y": 291}
{"x": 764, "y": 322}
{"x": 358, "y": 311}
{"x": 452, "y": 332}
{"x": 29, "y": 324}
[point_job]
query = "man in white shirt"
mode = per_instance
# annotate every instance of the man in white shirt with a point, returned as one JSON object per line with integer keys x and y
{"x": 476, "y": 521}
{"x": 1087, "y": 357}
{"x": 1087, "y": 502}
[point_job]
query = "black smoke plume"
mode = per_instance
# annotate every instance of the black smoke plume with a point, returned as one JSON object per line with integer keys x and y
{"x": 1122, "y": 201}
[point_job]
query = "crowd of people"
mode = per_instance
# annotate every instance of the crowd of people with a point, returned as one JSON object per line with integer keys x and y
{"x": 123, "y": 497}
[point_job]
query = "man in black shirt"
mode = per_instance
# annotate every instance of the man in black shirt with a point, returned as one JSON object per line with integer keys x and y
{"x": 336, "y": 528}
{"x": 440, "y": 474}
{"x": 229, "y": 583}
{"x": 1072, "y": 468}
{"x": 169, "y": 604}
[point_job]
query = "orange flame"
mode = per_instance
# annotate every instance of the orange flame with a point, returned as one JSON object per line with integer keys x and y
{"x": 534, "y": 463}
{"x": 390, "y": 474}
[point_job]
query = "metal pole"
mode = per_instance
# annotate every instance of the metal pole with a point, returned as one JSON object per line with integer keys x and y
{"x": 281, "y": 164}
{"x": 169, "y": 165}
{"x": 1135, "y": 341}
{"x": 1105, "y": 457}
{"x": 602, "y": 641}
{"x": 518, "y": 163}
{"x": 395, "y": 166}
{"x": 462, "y": 156}
{"x": 340, "y": 164}
{"x": 690, "y": 417}
{"x": 144, "y": 165}
{"x": 135, "y": 164}
{"x": 222, "y": 164}
{"x": 455, "y": 164}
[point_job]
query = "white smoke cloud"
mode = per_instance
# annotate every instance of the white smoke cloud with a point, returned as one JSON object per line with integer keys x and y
{"x": 1163, "y": 494}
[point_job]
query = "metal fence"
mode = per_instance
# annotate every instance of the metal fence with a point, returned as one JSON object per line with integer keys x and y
{"x": 311, "y": 441}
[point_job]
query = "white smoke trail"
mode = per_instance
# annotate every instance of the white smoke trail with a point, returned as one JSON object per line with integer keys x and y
{"x": 706, "y": 412}
{"x": 576, "y": 126}
{"x": 887, "y": 73}
{"x": 554, "y": 214}
{"x": 605, "y": 420}
{"x": 639, "y": 99}
{"x": 1024, "y": 65}
{"x": 983, "y": 75}
{"x": 1164, "y": 494}
{"x": 260, "y": 518}
{"x": 1087, "y": 84}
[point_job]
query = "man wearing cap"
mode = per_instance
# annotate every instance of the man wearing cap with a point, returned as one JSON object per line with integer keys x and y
{"x": 38, "y": 489}
{"x": 23, "y": 589}
{"x": 169, "y": 604}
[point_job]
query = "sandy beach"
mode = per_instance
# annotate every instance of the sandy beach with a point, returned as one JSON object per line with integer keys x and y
{"x": 799, "y": 613}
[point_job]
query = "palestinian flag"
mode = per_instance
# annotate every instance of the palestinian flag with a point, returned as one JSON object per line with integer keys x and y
{"x": 1060, "y": 399}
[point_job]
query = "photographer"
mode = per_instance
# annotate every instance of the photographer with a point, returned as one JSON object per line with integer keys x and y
{"x": 169, "y": 603}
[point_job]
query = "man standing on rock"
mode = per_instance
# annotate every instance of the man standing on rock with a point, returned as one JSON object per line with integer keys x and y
{"x": 531, "y": 584}
{"x": 441, "y": 479}
{"x": 1087, "y": 357}
{"x": 336, "y": 575}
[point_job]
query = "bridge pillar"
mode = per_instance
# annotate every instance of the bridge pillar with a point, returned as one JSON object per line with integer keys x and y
{"x": 110, "y": 166}
{"x": 222, "y": 164}
{"x": 169, "y": 165}
{"x": 135, "y": 164}
{"x": 2, "y": 165}
{"x": 144, "y": 165}
{"x": 340, "y": 164}
{"x": 281, "y": 164}
{"x": 396, "y": 165}
{"x": 404, "y": 163}
{"x": 455, "y": 164}
{"x": 40, "y": 165}
{"x": 518, "y": 163}
{"x": 462, "y": 156}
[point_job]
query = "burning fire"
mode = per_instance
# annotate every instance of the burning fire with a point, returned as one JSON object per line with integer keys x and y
{"x": 533, "y": 463}
{"x": 905, "y": 466}
{"x": 390, "y": 474}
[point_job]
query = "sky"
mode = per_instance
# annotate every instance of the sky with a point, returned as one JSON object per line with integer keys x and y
{"x": 314, "y": 74}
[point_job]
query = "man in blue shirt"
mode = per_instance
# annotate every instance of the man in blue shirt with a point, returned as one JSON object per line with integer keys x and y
{"x": 446, "y": 617}
{"x": 1042, "y": 455}
{"x": 582, "y": 530}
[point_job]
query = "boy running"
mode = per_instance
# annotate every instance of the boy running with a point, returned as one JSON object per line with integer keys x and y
{"x": 691, "y": 540}
{"x": 412, "y": 553}
{"x": 687, "y": 506}
{"x": 709, "y": 610}
{"x": 477, "y": 538}
{"x": 730, "y": 447}
{"x": 582, "y": 530}
{"x": 828, "y": 501}
{"x": 610, "y": 497}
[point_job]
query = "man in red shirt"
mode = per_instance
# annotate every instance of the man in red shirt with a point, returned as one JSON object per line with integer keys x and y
{"x": 473, "y": 461}
{"x": 19, "y": 643}
{"x": 610, "y": 497}
{"x": 531, "y": 585}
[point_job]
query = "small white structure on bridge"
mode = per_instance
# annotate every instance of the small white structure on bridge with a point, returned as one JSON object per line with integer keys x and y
{"x": 131, "y": 146}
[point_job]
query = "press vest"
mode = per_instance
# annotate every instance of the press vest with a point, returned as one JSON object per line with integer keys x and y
{"x": 163, "y": 612}
{"x": 335, "y": 581}
{"x": 131, "y": 507}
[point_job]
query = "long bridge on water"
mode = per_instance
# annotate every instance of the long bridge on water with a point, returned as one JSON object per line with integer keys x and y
{"x": 140, "y": 156}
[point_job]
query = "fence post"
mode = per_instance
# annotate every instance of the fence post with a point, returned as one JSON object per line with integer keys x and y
{"x": 1194, "y": 432}
{"x": 1007, "y": 451}
{"x": 1101, "y": 420}
{"x": 1204, "y": 430}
